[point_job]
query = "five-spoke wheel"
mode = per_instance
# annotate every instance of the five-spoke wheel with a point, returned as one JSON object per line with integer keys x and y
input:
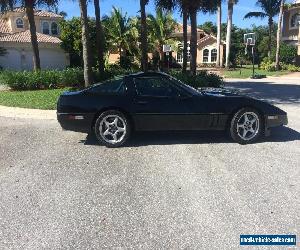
{"x": 246, "y": 126}
{"x": 112, "y": 128}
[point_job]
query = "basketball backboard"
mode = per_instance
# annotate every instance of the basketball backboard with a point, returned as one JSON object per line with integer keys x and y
{"x": 250, "y": 39}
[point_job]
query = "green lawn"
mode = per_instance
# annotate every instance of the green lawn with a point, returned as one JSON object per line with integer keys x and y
{"x": 37, "y": 99}
{"x": 246, "y": 72}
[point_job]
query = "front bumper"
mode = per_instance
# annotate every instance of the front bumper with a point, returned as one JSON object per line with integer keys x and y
{"x": 272, "y": 121}
{"x": 76, "y": 122}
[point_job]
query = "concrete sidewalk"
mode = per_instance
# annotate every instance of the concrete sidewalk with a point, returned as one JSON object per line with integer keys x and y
{"x": 13, "y": 112}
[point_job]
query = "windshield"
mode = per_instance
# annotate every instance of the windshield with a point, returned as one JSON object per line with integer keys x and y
{"x": 186, "y": 87}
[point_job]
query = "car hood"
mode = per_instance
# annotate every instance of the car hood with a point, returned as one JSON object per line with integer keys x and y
{"x": 234, "y": 98}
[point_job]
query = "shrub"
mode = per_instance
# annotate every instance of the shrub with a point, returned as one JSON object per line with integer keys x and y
{"x": 293, "y": 68}
{"x": 267, "y": 65}
{"x": 202, "y": 79}
{"x": 44, "y": 79}
{"x": 71, "y": 77}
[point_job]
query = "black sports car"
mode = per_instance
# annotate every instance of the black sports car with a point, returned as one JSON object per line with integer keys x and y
{"x": 157, "y": 101}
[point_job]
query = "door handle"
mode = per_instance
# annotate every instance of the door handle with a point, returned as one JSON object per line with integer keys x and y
{"x": 142, "y": 102}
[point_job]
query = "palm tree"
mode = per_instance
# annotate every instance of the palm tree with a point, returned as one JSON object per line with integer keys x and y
{"x": 119, "y": 32}
{"x": 183, "y": 6}
{"x": 88, "y": 78}
{"x": 219, "y": 32}
{"x": 193, "y": 43}
{"x": 161, "y": 27}
{"x": 99, "y": 37}
{"x": 270, "y": 9}
{"x": 185, "y": 17}
{"x": 143, "y": 35}
{"x": 29, "y": 8}
{"x": 194, "y": 7}
{"x": 279, "y": 31}
{"x": 230, "y": 5}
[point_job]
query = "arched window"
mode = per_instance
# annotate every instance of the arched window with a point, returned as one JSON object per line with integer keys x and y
{"x": 205, "y": 55}
{"x": 295, "y": 20}
{"x": 54, "y": 28}
{"x": 213, "y": 55}
{"x": 46, "y": 29}
{"x": 20, "y": 23}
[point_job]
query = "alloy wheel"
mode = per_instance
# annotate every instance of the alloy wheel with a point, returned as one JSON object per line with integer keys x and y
{"x": 248, "y": 126}
{"x": 112, "y": 129}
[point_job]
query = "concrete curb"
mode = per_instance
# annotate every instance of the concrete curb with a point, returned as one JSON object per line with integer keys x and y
{"x": 13, "y": 112}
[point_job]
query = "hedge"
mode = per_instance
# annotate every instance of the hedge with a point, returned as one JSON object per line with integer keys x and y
{"x": 202, "y": 79}
{"x": 73, "y": 77}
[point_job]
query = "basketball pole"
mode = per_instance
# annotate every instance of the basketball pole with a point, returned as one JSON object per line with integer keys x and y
{"x": 253, "y": 62}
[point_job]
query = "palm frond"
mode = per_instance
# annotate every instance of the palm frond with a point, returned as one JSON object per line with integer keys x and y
{"x": 255, "y": 14}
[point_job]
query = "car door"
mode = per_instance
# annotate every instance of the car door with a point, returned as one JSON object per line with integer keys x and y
{"x": 160, "y": 105}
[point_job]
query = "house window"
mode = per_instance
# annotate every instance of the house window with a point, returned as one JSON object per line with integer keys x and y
{"x": 295, "y": 20}
{"x": 213, "y": 55}
{"x": 180, "y": 53}
{"x": 45, "y": 27}
{"x": 54, "y": 28}
{"x": 20, "y": 23}
{"x": 205, "y": 55}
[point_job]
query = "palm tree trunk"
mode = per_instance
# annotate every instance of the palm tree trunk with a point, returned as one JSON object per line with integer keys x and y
{"x": 228, "y": 35}
{"x": 88, "y": 79}
{"x": 270, "y": 23}
{"x": 218, "y": 62}
{"x": 99, "y": 37}
{"x": 279, "y": 31}
{"x": 120, "y": 54}
{"x": 29, "y": 7}
{"x": 185, "y": 39}
{"x": 194, "y": 49}
{"x": 144, "y": 45}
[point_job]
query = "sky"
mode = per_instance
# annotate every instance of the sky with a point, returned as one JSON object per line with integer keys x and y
{"x": 132, "y": 9}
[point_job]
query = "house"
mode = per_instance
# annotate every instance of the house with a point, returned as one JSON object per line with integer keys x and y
{"x": 207, "y": 47}
{"x": 290, "y": 28}
{"x": 15, "y": 38}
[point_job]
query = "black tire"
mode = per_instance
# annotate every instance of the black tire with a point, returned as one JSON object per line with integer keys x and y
{"x": 107, "y": 140}
{"x": 239, "y": 125}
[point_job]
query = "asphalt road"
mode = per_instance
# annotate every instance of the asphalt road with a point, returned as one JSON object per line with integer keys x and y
{"x": 60, "y": 190}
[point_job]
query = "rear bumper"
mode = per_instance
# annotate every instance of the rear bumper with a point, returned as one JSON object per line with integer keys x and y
{"x": 272, "y": 121}
{"x": 76, "y": 122}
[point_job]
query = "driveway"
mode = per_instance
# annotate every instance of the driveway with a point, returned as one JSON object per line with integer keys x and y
{"x": 60, "y": 190}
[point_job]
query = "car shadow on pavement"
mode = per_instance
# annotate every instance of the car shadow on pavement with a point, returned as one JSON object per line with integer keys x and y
{"x": 282, "y": 134}
{"x": 274, "y": 93}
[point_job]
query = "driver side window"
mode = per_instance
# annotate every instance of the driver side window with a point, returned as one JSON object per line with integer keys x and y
{"x": 156, "y": 87}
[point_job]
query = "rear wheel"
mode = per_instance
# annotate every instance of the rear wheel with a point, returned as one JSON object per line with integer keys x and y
{"x": 246, "y": 126}
{"x": 112, "y": 128}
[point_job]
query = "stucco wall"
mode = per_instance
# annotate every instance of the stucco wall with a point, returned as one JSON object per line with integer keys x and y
{"x": 287, "y": 30}
{"x": 11, "y": 21}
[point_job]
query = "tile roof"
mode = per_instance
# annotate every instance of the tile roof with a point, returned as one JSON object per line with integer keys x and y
{"x": 24, "y": 37}
{"x": 41, "y": 13}
{"x": 4, "y": 28}
{"x": 179, "y": 28}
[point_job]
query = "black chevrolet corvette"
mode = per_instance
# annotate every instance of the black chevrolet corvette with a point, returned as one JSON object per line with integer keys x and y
{"x": 159, "y": 102}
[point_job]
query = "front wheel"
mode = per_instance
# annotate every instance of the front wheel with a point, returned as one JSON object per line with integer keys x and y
{"x": 246, "y": 126}
{"x": 112, "y": 128}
